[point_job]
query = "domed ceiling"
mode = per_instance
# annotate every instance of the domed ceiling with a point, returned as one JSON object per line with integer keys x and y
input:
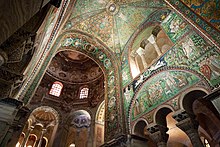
{"x": 111, "y": 21}
{"x": 74, "y": 68}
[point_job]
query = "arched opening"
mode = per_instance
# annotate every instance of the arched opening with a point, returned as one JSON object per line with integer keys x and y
{"x": 147, "y": 47}
{"x": 31, "y": 141}
{"x": 42, "y": 124}
{"x": 100, "y": 125}
{"x": 79, "y": 128}
{"x": 20, "y": 140}
{"x": 140, "y": 128}
{"x": 190, "y": 98}
{"x": 176, "y": 137}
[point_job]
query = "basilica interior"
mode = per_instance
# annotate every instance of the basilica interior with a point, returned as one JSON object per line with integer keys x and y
{"x": 110, "y": 73}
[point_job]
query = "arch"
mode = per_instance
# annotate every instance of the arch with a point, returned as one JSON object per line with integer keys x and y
{"x": 44, "y": 142}
{"x": 139, "y": 85}
{"x": 96, "y": 50}
{"x": 154, "y": 44}
{"x": 100, "y": 113}
{"x": 160, "y": 115}
{"x": 80, "y": 118}
{"x": 48, "y": 109}
{"x": 189, "y": 98}
{"x": 142, "y": 120}
{"x": 31, "y": 140}
{"x": 202, "y": 89}
{"x": 99, "y": 125}
{"x": 161, "y": 107}
{"x": 139, "y": 128}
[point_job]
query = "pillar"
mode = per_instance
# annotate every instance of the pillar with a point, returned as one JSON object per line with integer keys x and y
{"x": 151, "y": 39}
{"x": 140, "y": 52}
{"x": 27, "y": 136}
{"x": 41, "y": 137}
{"x": 158, "y": 135}
{"x": 12, "y": 120}
{"x": 190, "y": 126}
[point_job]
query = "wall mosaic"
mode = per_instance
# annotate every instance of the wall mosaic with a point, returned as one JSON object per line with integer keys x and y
{"x": 191, "y": 51}
{"x": 209, "y": 10}
{"x": 187, "y": 12}
{"x": 113, "y": 22}
{"x": 156, "y": 18}
{"x": 175, "y": 27}
{"x": 196, "y": 53}
{"x": 160, "y": 88}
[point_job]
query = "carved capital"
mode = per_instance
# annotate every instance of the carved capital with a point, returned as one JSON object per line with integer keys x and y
{"x": 158, "y": 135}
{"x": 189, "y": 126}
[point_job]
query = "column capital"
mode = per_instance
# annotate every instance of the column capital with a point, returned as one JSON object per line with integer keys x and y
{"x": 158, "y": 134}
{"x": 140, "y": 51}
{"x": 190, "y": 126}
{"x": 151, "y": 39}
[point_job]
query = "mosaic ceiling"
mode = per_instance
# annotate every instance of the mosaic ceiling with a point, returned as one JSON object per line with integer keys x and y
{"x": 113, "y": 22}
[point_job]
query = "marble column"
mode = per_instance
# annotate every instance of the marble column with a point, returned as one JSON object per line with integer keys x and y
{"x": 23, "y": 144}
{"x": 41, "y": 137}
{"x": 140, "y": 52}
{"x": 152, "y": 40}
{"x": 190, "y": 126}
{"x": 158, "y": 135}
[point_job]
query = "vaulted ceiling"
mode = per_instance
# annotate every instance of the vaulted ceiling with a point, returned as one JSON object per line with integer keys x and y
{"x": 111, "y": 21}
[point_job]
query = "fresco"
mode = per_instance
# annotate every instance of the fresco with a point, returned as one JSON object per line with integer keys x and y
{"x": 161, "y": 88}
{"x": 207, "y": 9}
{"x": 113, "y": 22}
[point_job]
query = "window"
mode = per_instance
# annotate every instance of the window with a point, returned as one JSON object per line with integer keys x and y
{"x": 56, "y": 89}
{"x": 84, "y": 93}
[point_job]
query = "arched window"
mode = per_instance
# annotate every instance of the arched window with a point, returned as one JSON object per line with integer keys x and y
{"x": 84, "y": 93}
{"x": 56, "y": 89}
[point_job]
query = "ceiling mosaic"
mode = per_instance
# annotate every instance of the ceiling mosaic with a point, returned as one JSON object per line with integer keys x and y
{"x": 113, "y": 22}
{"x": 208, "y": 10}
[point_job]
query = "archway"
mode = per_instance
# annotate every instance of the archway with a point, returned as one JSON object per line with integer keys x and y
{"x": 41, "y": 124}
{"x": 173, "y": 136}
{"x": 99, "y": 125}
{"x": 95, "y": 49}
{"x": 147, "y": 47}
{"x": 79, "y": 128}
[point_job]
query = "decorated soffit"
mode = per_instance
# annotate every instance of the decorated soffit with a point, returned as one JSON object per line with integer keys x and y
{"x": 209, "y": 10}
{"x": 113, "y": 22}
{"x": 74, "y": 68}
